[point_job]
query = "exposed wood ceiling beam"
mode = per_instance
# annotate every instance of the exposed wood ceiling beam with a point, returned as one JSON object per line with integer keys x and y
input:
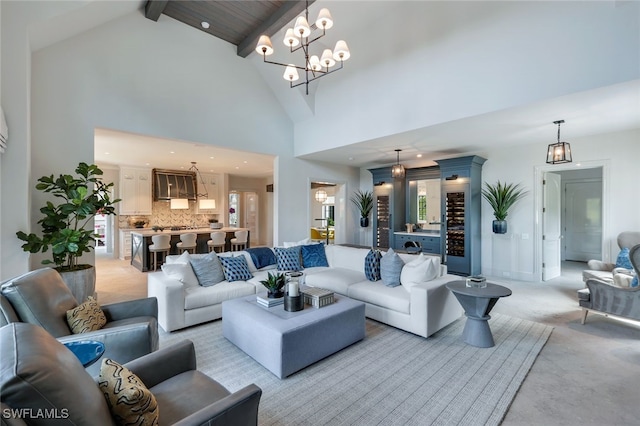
{"x": 154, "y": 8}
{"x": 286, "y": 12}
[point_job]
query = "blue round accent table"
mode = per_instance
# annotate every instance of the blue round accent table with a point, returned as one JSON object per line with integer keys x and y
{"x": 87, "y": 351}
{"x": 477, "y": 303}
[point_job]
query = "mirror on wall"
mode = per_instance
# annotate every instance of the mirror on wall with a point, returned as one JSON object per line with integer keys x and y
{"x": 424, "y": 203}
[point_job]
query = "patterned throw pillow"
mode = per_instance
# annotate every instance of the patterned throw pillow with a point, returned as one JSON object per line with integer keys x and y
{"x": 288, "y": 258}
{"x": 129, "y": 400}
{"x": 86, "y": 317}
{"x": 634, "y": 282}
{"x": 208, "y": 270}
{"x": 236, "y": 268}
{"x": 391, "y": 268}
{"x": 372, "y": 265}
{"x": 623, "y": 260}
{"x": 314, "y": 255}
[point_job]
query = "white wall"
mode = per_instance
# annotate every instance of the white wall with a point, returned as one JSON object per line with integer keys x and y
{"x": 619, "y": 150}
{"x": 431, "y": 62}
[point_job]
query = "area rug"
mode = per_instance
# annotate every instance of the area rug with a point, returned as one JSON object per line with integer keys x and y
{"x": 390, "y": 378}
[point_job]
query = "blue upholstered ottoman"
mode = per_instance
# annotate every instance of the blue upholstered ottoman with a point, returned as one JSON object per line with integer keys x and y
{"x": 285, "y": 342}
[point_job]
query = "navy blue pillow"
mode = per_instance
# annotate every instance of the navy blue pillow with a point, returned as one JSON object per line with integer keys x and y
{"x": 372, "y": 265}
{"x": 634, "y": 282}
{"x": 313, "y": 255}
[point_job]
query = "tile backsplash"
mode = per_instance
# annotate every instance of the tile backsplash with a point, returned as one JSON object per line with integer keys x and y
{"x": 165, "y": 217}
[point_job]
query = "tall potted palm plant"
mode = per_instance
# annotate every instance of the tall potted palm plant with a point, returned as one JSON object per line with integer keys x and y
{"x": 66, "y": 225}
{"x": 363, "y": 201}
{"x": 501, "y": 197}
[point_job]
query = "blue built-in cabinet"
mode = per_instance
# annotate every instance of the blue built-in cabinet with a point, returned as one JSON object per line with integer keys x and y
{"x": 461, "y": 205}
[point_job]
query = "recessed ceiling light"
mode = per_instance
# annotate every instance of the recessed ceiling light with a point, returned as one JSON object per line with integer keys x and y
{"x": 172, "y": 152}
{"x": 350, "y": 158}
{"x": 148, "y": 164}
{"x": 237, "y": 167}
{"x": 106, "y": 153}
{"x": 419, "y": 155}
{"x": 204, "y": 25}
{"x": 245, "y": 162}
{"x": 212, "y": 157}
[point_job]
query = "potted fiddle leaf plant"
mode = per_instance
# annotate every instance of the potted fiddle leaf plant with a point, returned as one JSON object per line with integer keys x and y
{"x": 67, "y": 222}
{"x": 501, "y": 197}
{"x": 275, "y": 284}
{"x": 363, "y": 201}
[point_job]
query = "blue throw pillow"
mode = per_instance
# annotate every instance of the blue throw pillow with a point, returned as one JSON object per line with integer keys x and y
{"x": 390, "y": 268}
{"x": 634, "y": 282}
{"x": 623, "y": 260}
{"x": 288, "y": 259}
{"x": 372, "y": 265}
{"x": 208, "y": 269}
{"x": 236, "y": 268}
{"x": 313, "y": 255}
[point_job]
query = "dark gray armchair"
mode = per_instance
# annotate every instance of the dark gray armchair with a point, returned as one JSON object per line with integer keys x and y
{"x": 40, "y": 297}
{"x": 39, "y": 373}
{"x": 604, "y": 297}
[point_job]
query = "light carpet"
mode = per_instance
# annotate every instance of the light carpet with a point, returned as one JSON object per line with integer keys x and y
{"x": 390, "y": 378}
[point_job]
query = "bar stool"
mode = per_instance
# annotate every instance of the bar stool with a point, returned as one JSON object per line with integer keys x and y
{"x": 240, "y": 241}
{"x": 161, "y": 244}
{"x": 217, "y": 241}
{"x": 187, "y": 243}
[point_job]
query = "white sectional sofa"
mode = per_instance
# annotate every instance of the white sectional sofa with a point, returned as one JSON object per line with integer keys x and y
{"x": 422, "y": 309}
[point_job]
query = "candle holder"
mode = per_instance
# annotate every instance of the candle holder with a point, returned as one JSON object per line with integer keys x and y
{"x": 293, "y": 300}
{"x": 293, "y": 303}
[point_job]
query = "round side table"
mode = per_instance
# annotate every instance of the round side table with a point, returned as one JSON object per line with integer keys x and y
{"x": 477, "y": 303}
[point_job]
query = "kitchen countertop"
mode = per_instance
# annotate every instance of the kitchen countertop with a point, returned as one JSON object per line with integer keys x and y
{"x": 148, "y": 232}
{"x": 420, "y": 233}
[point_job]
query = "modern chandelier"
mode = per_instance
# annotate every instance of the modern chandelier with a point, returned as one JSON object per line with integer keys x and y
{"x": 559, "y": 152}
{"x": 397, "y": 171}
{"x": 299, "y": 37}
{"x": 203, "y": 197}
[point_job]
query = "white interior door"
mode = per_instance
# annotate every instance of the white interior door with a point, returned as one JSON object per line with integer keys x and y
{"x": 551, "y": 226}
{"x": 583, "y": 220}
{"x": 251, "y": 216}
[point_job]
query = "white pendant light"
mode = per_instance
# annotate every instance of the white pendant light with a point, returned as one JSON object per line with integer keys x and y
{"x": 207, "y": 204}
{"x": 291, "y": 39}
{"x": 302, "y": 27}
{"x": 324, "y": 21}
{"x": 321, "y": 195}
{"x": 179, "y": 203}
{"x": 327, "y": 59}
{"x": 341, "y": 51}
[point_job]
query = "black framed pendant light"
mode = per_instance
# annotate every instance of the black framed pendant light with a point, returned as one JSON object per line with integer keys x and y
{"x": 559, "y": 152}
{"x": 397, "y": 171}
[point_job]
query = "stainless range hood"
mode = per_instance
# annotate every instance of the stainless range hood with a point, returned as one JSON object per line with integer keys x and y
{"x": 169, "y": 184}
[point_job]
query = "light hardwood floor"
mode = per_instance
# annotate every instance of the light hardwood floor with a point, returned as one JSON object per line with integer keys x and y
{"x": 117, "y": 280}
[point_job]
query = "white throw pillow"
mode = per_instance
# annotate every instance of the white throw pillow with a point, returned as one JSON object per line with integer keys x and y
{"x": 423, "y": 268}
{"x": 304, "y": 242}
{"x": 182, "y": 272}
{"x": 174, "y": 258}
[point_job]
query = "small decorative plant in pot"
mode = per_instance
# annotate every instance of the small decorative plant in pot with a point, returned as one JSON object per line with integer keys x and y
{"x": 501, "y": 197}
{"x": 363, "y": 201}
{"x": 66, "y": 226}
{"x": 275, "y": 284}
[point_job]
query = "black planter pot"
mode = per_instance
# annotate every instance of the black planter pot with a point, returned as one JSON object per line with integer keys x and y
{"x": 275, "y": 294}
{"x": 499, "y": 226}
{"x": 364, "y": 222}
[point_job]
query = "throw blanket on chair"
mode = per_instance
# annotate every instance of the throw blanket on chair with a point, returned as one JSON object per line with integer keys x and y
{"x": 262, "y": 256}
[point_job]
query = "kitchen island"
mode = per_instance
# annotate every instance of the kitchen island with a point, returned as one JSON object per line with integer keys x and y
{"x": 141, "y": 240}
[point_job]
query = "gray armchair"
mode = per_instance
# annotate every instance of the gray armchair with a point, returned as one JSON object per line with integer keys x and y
{"x": 604, "y": 297}
{"x": 604, "y": 270}
{"x": 39, "y": 373}
{"x": 40, "y": 297}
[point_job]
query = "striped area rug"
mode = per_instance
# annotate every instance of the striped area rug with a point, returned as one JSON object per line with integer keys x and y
{"x": 389, "y": 378}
